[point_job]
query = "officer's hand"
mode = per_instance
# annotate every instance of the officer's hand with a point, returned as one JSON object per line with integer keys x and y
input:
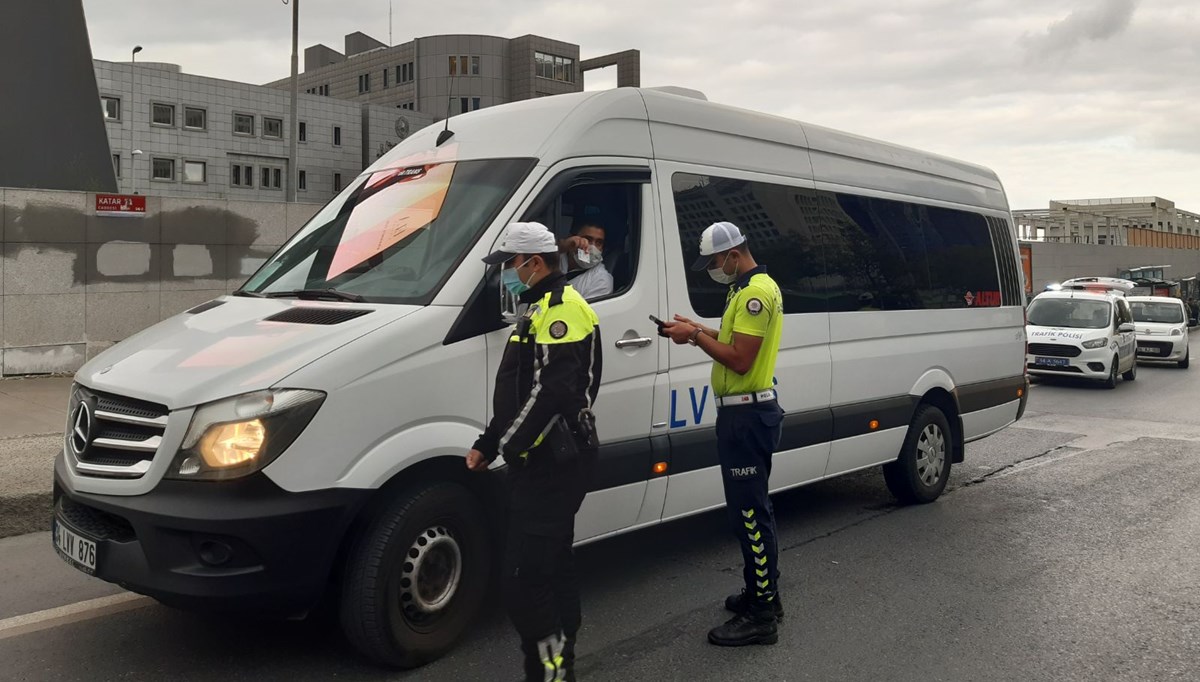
{"x": 476, "y": 461}
{"x": 681, "y": 318}
{"x": 679, "y": 332}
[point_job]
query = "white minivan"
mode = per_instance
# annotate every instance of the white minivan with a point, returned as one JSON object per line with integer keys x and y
{"x": 1162, "y": 329}
{"x": 305, "y": 435}
{"x": 1083, "y": 330}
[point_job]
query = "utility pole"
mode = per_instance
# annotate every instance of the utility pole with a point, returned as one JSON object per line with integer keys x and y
{"x": 390, "y": 3}
{"x": 293, "y": 172}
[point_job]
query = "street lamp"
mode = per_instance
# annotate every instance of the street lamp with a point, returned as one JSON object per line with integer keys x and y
{"x": 132, "y": 175}
{"x": 130, "y": 117}
{"x": 293, "y": 172}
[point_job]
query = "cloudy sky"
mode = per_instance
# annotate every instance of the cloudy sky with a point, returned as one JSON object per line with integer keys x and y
{"x": 1065, "y": 99}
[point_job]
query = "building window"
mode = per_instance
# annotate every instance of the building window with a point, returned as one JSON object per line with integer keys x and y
{"x": 195, "y": 172}
{"x": 364, "y": 83}
{"x": 243, "y": 124}
{"x": 277, "y": 174}
{"x": 242, "y": 176}
{"x": 302, "y": 181}
{"x": 553, "y": 67}
{"x": 463, "y": 102}
{"x": 454, "y": 66}
{"x": 162, "y": 114}
{"x": 400, "y": 73}
{"x": 162, "y": 169}
{"x": 325, "y": 89}
{"x": 474, "y": 66}
{"x": 337, "y": 182}
{"x": 303, "y": 137}
{"x": 273, "y": 128}
{"x": 195, "y": 118}
{"x": 385, "y": 78}
{"x": 117, "y": 164}
{"x": 337, "y": 136}
{"x": 112, "y": 108}
{"x": 474, "y": 104}
{"x": 265, "y": 183}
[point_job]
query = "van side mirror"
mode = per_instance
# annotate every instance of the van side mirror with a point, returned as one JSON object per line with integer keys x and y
{"x": 1125, "y": 328}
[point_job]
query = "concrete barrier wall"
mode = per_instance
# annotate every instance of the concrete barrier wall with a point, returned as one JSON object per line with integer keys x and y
{"x": 73, "y": 283}
{"x": 1054, "y": 262}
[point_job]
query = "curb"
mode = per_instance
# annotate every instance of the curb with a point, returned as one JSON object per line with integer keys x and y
{"x": 22, "y": 514}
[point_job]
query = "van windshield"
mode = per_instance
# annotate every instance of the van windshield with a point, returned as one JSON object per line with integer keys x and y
{"x": 1163, "y": 313}
{"x": 1070, "y": 313}
{"x": 393, "y": 236}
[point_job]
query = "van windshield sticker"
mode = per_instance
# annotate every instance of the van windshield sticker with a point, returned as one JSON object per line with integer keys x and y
{"x": 400, "y": 202}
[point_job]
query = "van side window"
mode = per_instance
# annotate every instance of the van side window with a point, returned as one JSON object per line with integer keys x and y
{"x": 782, "y": 228}
{"x": 615, "y": 208}
{"x": 1124, "y": 314}
{"x": 839, "y": 252}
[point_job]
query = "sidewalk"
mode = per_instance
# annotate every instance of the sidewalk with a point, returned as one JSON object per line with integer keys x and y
{"x": 33, "y": 413}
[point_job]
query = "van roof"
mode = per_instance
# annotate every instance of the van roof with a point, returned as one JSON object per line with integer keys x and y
{"x": 647, "y": 123}
{"x": 1155, "y": 299}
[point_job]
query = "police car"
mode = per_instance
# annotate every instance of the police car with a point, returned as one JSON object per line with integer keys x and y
{"x": 1083, "y": 329}
{"x": 1162, "y": 329}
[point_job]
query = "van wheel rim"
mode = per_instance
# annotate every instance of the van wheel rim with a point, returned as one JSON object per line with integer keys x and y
{"x": 431, "y": 574}
{"x": 931, "y": 454}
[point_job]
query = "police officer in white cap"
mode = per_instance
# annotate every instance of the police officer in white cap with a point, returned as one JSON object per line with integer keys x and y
{"x": 749, "y": 421}
{"x": 542, "y": 424}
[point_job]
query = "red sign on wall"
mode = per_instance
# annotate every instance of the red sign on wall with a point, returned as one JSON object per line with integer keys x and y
{"x": 120, "y": 205}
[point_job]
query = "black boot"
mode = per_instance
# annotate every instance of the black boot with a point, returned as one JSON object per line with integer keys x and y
{"x": 545, "y": 660}
{"x": 738, "y": 604}
{"x": 756, "y": 626}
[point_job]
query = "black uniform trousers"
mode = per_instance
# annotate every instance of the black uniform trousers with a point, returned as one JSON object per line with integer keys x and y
{"x": 747, "y": 436}
{"x": 541, "y": 584}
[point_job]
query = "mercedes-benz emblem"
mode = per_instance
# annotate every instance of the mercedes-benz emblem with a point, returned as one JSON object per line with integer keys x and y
{"x": 81, "y": 431}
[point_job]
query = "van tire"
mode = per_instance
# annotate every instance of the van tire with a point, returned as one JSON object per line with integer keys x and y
{"x": 1186, "y": 361}
{"x": 1111, "y": 382}
{"x": 1131, "y": 375}
{"x": 435, "y": 522}
{"x": 905, "y": 478}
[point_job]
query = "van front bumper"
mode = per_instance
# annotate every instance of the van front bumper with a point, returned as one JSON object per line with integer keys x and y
{"x": 1168, "y": 348}
{"x": 1089, "y": 364}
{"x": 233, "y": 546}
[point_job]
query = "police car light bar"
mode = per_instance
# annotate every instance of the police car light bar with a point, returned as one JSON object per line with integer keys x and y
{"x": 1100, "y": 285}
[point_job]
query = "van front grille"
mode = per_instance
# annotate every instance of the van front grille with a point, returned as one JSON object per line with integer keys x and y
{"x": 113, "y": 436}
{"x": 1054, "y": 350}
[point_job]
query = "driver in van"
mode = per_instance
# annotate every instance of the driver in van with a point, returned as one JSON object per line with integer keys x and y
{"x": 583, "y": 261}
{"x": 542, "y": 423}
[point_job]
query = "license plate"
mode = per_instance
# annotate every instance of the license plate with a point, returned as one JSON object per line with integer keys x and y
{"x": 1052, "y": 362}
{"x": 74, "y": 548}
{"x": 1148, "y": 350}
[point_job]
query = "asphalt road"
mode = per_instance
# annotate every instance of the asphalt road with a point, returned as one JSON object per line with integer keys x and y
{"x": 1066, "y": 548}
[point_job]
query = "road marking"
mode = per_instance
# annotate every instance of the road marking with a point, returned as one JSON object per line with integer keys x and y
{"x": 71, "y": 613}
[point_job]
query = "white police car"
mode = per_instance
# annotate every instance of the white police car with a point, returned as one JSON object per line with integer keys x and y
{"x": 1162, "y": 329}
{"x": 1084, "y": 329}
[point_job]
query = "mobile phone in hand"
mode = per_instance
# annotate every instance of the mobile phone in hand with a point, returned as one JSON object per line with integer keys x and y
{"x": 660, "y": 324}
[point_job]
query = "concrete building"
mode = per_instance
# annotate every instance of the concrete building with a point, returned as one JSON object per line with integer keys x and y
{"x": 452, "y": 74}
{"x": 1104, "y": 221}
{"x": 211, "y": 138}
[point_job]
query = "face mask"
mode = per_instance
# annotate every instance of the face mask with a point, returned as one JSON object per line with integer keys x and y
{"x": 590, "y": 258}
{"x": 510, "y": 279}
{"x": 720, "y": 276}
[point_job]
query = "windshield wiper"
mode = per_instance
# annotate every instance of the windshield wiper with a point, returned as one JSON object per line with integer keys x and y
{"x": 248, "y": 294}
{"x": 315, "y": 294}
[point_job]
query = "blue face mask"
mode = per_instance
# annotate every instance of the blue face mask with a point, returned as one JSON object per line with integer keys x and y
{"x": 511, "y": 280}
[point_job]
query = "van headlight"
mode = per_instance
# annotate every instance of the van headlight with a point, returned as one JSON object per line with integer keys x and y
{"x": 1176, "y": 332}
{"x": 237, "y": 436}
{"x": 1095, "y": 343}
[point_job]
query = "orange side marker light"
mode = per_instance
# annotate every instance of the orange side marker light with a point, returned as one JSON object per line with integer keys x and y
{"x": 660, "y": 467}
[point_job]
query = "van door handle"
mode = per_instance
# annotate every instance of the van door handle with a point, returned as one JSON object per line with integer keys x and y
{"x": 641, "y": 342}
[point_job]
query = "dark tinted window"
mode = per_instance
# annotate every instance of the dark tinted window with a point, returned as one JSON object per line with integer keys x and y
{"x": 841, "y": 252}
{"x": 781, "y": 226}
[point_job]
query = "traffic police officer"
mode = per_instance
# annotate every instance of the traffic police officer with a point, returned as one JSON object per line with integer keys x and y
{"x": 542, "y": 423}
{"x": 749, "y": 421}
